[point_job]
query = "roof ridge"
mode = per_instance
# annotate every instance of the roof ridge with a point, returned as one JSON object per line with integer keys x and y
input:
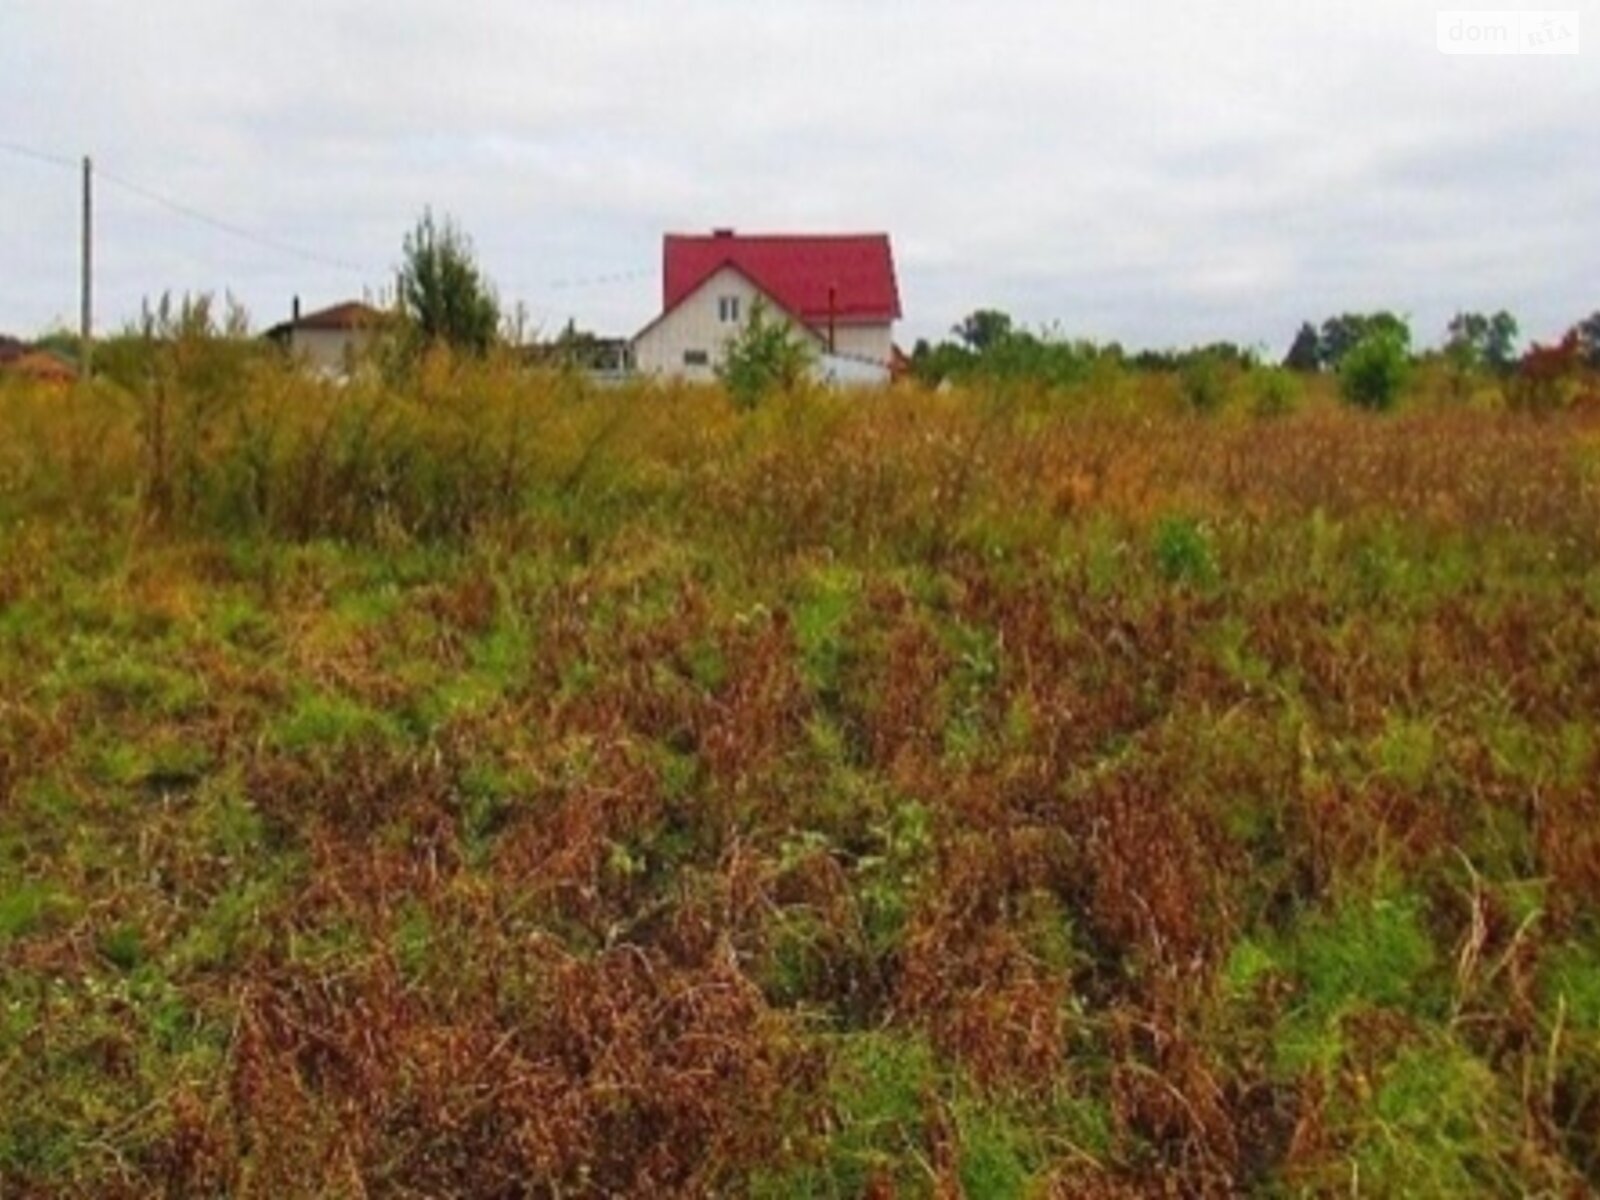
{"x": 857, "y": 235}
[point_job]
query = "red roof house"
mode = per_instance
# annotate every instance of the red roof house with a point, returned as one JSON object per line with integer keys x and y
{"x": 839, "y": 290}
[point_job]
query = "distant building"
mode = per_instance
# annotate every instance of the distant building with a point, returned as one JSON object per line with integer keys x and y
{"x": 330, "y": 340}
{"x": 838, "y": 291}
{"x": 33, "y": 362}
{"x": 601, "y": 359}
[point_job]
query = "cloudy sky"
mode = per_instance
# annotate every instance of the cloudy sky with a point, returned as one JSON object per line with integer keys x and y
{"x": 1159, "y": 173}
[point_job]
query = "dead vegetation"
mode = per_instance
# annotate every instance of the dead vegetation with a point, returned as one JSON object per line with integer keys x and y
{"x": 460, "y": 788}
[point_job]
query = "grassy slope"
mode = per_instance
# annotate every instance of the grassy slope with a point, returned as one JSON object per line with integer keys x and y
{"x": 485, "y": 788}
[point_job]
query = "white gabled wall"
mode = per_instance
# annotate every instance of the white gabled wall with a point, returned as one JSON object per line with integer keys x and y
{"x": 697, "y": 325}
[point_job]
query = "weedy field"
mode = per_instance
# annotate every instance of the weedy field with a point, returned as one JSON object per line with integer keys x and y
{"x": 485, "y": 786}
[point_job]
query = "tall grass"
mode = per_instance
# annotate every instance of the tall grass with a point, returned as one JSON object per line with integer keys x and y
{"x": 468, "y": 781}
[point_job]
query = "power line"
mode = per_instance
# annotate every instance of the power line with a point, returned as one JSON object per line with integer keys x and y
{"x": 228, "y": 227}
{"x": 40, "y": 155}
{"x": 279, "y": 246}
{"x": 589, "y": 281}
{"x": 190, "y": 212}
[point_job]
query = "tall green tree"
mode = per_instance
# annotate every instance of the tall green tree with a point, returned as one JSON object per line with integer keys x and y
{"x": 1343, "y": 333}
{"x": 935, "y": 364}
{"x": 1587, "y": 334}
{"x": 444, "y": 295}
{"x": 1475, "y": 340}
{"x": 1305, "y": 353}
{"x": 984, "y": 329}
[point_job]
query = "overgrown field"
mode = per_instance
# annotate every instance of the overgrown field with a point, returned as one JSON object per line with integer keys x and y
{"x": 482, "y": 786}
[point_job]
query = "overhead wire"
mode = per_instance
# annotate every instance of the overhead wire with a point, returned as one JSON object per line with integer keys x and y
{"x": 268, "y": 242}
{"x": 189, "y": 211}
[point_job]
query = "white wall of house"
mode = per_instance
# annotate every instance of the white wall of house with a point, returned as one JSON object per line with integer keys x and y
{"x": 875, "y": 343}
{"x": 690, "y": 341}
{"x": 329, "y": 351}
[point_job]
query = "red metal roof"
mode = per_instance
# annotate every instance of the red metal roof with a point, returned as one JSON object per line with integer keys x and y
{"x": 799, "y": 271}
{"x": 352, "y": 314}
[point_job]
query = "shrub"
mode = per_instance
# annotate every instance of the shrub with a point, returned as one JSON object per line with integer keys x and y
{"x": 1548, "y": 377}
{"x": 766, "y": 356}
{"x": 1274, "y": 392}
{"x": 1204, "y": 379}
{"x": 1373, "y": 375}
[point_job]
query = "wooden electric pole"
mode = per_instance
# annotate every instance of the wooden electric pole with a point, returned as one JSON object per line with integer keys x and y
{"x": 86, "y": 324}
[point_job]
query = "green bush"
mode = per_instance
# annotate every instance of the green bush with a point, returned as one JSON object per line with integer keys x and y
{"x": 1204, "y": 380}
{"x": 765, "y": 357}
{"x": 1275, "y": 392}
{"x": 1375, "y": 372}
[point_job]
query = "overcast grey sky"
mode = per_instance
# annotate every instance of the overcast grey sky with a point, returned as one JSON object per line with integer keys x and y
{"x": 1160, "y": 173}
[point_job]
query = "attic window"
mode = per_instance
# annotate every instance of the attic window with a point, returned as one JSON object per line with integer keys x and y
{"x": 696, "y": 358}
{"x": 728, "y": 309}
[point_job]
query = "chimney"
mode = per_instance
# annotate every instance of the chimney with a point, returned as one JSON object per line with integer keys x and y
{"x": 294, "y": 311}
{"x": 722, "y": 233}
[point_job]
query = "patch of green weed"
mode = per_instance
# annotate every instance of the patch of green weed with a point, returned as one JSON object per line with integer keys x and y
{"x": 1183, "y": 552}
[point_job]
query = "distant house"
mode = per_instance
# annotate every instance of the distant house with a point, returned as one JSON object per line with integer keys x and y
{"x": 838, "y": 291}
{"x": 331, "y": 339}
{"x": 34, "y": 362}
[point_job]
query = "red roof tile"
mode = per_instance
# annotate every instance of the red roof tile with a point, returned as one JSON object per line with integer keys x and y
{"x": 351, "y": 315}
{"x": 799, "y": 271}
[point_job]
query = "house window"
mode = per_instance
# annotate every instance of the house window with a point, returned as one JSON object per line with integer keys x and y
{"x": 728, "y": 309}
{"x": 696, "y": 358}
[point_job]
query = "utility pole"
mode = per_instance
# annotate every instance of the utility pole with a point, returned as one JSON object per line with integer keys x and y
{"x": 86, "y": 326}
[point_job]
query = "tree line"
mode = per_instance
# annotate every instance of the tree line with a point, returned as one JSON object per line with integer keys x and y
{"x": 1371, "y": 354}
